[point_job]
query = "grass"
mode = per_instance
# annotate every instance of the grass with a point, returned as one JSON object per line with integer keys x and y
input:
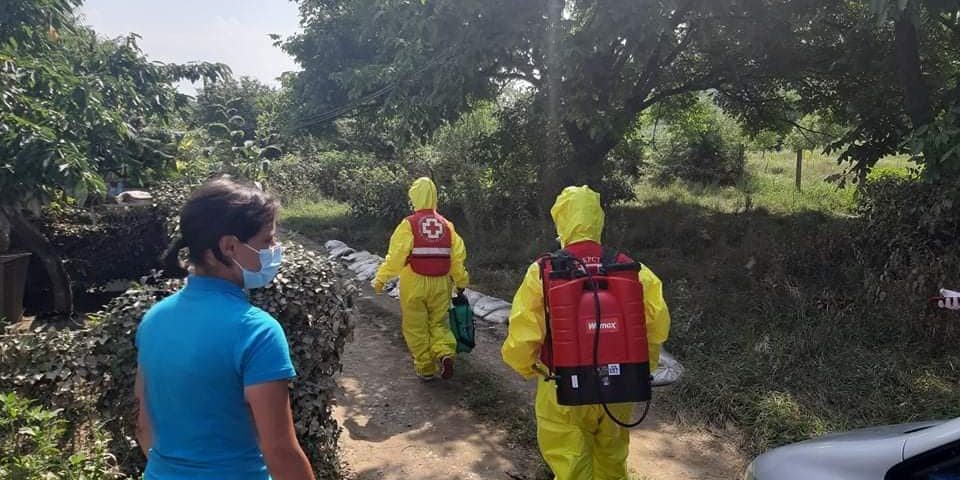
{"x": 770, "y": 184}
{"x": 326, "y": 219}
{"x": 770, "y": 312}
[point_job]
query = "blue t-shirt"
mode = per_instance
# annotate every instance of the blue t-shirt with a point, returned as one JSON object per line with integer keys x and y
{"x": 197, "y": 350}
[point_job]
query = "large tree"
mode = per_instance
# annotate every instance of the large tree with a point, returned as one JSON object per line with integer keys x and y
{"x": 74, "y": 107}
{"x": 886, "y": 69}
{"x": 592, "y": 66}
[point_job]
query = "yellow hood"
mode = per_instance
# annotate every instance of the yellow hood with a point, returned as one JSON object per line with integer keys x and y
{"x": 423, "y": 194}
{"x": 578, "y": 215}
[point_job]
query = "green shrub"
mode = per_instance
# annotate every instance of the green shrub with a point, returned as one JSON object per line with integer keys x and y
{"x": 704, "y": 146}
{"x": 376, "y": 191}
{"x": 312, "y": 176}
{"x": 34, "y": 445}
{"x": 707, "y": 158}
{"x": 90, "y": 372}
{"x": 910, "y": 234}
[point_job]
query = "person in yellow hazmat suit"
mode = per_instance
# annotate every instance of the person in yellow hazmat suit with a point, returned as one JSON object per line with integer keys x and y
{"x": 429, "y": 256}
{"x": 578, "y": 442}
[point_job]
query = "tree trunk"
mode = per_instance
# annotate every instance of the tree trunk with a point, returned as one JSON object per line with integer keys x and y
{"x": 34, "y": 241}
{"x": 586, "y": 166}
{"x": 916, "y": 95}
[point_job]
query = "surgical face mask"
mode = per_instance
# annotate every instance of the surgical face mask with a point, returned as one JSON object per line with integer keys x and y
{"x": 270, "y": 260}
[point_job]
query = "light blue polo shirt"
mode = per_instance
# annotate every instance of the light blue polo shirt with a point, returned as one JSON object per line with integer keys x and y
{"x": 197, "y": 350}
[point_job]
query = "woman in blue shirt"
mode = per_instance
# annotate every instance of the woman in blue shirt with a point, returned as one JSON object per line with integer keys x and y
{"x": 213, "y": 370}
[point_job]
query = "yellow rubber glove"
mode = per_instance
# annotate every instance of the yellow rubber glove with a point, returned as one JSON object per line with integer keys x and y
{"x": 377, "y": 286}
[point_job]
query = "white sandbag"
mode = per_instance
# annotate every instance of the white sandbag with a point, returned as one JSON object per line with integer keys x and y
{"x": 488, "y": 305}
{"x": 357, "y": 256}
{"x": 334, "y": 244}
{"x": 368, "y": 272}
{"x": 501, "y": 316}
{"x": 473, "y": 296}
{"x": 669, "y": 370}
{"x": 340, "y": 252}
{"x": 362, "y": 264}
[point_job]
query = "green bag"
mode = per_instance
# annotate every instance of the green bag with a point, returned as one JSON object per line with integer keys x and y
{"x": 461, "y": 324}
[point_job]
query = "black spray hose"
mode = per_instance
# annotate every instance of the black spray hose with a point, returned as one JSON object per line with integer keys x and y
{"x": 596, "y": 347}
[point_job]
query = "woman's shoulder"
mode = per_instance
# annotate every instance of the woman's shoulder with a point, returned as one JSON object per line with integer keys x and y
{"x": 257, "y": 317}
{"x": 166, "y": 306}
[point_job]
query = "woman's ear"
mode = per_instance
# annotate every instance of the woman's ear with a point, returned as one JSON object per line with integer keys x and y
{"x": 228, "y": 246}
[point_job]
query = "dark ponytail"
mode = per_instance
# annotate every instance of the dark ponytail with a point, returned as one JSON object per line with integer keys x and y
{"x": 172, "y": 266}
{"x": 219, "y": 208}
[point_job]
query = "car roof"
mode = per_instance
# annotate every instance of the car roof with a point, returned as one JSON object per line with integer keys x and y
{"x": 931, "y": 438}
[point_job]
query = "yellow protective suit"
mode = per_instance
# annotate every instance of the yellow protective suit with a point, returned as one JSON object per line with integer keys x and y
{"x": 578, "y": 443}
{"x": 424, "y": 301}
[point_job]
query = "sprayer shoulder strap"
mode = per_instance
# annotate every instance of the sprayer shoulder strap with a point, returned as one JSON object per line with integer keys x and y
{"x": 548, "y": 337}
{"x": 609, "y": 257}
{"x": 610, "y": 262}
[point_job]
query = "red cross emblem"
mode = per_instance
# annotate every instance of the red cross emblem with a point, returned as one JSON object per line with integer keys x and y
{"x": 431, "y": 228}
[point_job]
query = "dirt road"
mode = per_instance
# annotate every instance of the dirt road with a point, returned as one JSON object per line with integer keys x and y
{"x": 477, "y": 425}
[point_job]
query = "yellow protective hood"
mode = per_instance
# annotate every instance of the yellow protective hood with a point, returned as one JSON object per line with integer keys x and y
{"x": 578, "y": 215}
{"x": 423, "y": 194}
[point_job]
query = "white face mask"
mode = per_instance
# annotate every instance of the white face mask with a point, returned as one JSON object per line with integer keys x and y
{"x": 270, "y": 261}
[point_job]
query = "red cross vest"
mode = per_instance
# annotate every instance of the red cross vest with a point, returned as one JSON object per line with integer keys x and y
{"x": 432, "y": 241}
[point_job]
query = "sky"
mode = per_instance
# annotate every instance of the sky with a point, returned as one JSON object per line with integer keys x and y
{"x": 234, "y": 32}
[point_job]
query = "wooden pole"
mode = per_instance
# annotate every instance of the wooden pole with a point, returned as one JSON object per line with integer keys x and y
{"x": 799, "y": 167}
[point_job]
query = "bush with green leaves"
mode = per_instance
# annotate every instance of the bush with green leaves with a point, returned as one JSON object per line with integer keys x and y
{"x": 705, "y": 146}
{"x": 32, "y": 442}
{"x": 90, "y": 372}
{"x": 312, "y": 175}
{"x": 909, "y": 234}
{"x": 135, "y": 238}
{"x": 376, "y": 191}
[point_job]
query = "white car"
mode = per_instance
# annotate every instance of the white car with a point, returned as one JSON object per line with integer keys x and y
{"x": 912, "y": 451}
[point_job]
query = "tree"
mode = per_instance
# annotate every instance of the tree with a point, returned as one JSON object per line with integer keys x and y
{"x": 930, "y": 106}
{"x": 247, "y": 98}
{"x": 73, "y": 107}
{"x": 593, "y": 66}
{"x": 885, "y": 80}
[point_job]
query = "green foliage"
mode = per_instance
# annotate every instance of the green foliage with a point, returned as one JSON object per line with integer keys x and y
{"x": 591, "y": 67}
{"x": 906, "y": 50}
{"x": 32, "y": 441}
{"x": 377, "y": 191}
{"x": 90, "y": 372}
{"x": 814, "y": 132}
{"x": 76, "y": 107}
{"x": 135, "y": 237}
{"x": 246, "y": 98}
{"x": 705, "y": 146}
{"x": 909, "y": 234}
{"x": 373, "y": 189}
{"x": 486, "y": 166}
{"x": 226, "y": 148}
{"x": 310, "y": 176}
{"x": 937, "y": 146}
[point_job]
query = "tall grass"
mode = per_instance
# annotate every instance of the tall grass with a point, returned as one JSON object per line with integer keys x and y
{"x": 770, "y": 184}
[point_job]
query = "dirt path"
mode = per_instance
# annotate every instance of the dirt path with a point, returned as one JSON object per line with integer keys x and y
{"x": 476, "y": 425}
{"x": 398, "y": 427}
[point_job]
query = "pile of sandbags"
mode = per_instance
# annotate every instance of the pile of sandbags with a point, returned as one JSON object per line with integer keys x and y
{"x": 365, "y": 264}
